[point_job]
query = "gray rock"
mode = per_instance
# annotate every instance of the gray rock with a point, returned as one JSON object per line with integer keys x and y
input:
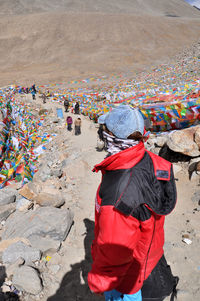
{"x": 7, "y": 196}
{"x": 44, "y": 243}
{"x": 48, "y": 199}
{"x": 57, "y": 173}
{"x": 20, "y": 250}
{"x": 23, "y": 204}
{"x": 54, "y": 268}
{"x": 196, "y": 196}
{"x": 43, "y": 174}
{"x": 11, "y": 268}
{"x": 48, "y": 222}
{"x": 6, "y": 211}
{"x": 27, "y": 279}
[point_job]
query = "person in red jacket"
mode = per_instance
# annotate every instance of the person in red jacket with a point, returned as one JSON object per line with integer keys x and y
{"x": 136, "y": 192}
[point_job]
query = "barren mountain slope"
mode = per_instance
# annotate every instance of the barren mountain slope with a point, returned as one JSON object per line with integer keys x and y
{"x": 156, "y": 7}
{"x": 80, "y": 38}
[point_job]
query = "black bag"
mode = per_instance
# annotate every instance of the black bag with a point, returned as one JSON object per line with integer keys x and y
{"x": 160, "y": 283}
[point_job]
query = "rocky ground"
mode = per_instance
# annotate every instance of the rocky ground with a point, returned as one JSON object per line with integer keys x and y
{"x": 47, "y": 226}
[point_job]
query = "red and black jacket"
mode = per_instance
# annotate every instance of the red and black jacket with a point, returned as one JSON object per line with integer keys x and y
{"x": 136, "y": 192}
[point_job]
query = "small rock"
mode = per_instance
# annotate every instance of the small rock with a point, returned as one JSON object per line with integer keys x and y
{"x": 7, "y": 196}
{"x": 57, "y": 173}
{"x": 196, "y": 196}
{"x": 43, "y": 174}
{"x": 20, "y": 250}
{"x": 23, "y": 204}
{"x": 6, "y": 211}
{"x": 27, "y": 279}
{"x": 185, "y": 236}
{"x": 27, "y": 193}
{"x": 47, "y": 199}
{"x": 54, "y": 268}
{"x": 55, "y": 259}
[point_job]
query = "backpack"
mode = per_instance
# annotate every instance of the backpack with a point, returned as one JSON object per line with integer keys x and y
{"x": 160, "y": 283}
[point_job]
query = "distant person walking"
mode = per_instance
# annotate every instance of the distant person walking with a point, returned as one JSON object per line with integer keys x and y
{"x": 77, "y": 124}
{"x": 69, "y": 123}
{"x": 77, "y": 108}
{"x": 33, "y": 94}
{"x": 66, "y": 104}
{"x": 33, "y": 88}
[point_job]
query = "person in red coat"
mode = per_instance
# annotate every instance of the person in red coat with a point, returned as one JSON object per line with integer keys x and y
{"x": 137, "y": 191}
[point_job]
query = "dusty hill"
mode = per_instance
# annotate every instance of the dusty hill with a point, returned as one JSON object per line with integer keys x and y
{"x": 44, "y": 41}
{"x": 173, "y": 8}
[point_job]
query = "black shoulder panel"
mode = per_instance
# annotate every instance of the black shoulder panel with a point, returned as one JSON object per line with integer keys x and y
{"x": 113, "y": 184}
{"x": 129, "y": 190}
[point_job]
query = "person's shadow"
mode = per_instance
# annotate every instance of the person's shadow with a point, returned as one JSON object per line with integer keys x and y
{"x": 74, "y": 285}
{"x": 6, "y": 296}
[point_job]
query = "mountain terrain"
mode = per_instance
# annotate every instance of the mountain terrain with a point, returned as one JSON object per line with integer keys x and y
{"x": 50, "y": 41}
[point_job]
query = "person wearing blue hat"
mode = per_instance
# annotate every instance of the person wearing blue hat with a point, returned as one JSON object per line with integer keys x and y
{"x": 137, "y": 191}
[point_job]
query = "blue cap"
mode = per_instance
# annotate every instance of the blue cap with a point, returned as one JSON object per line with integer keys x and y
{"x": 123, "y": 121}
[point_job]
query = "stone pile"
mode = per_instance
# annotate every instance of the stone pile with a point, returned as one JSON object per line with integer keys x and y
{"x": 178, "y": 147}
{"x": 35, "y": 220}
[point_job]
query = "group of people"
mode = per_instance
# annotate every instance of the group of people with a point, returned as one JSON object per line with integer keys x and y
{"x": 69, "y": 120}
{"x": 76, "y": 106}
{"x": 77, "y": 125}
{"x": 136, "y": 192}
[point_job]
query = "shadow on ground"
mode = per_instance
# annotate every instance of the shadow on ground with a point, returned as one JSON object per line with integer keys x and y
{"x": 6, "y": 296}
{"x": 74, "y": 284}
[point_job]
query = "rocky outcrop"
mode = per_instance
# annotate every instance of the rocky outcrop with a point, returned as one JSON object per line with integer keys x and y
{"x": 44, "y": 222}
{"x": 183, "y": 141}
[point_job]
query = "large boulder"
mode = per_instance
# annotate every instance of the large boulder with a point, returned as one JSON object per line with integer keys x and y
{"x": 27, "y": 279}
{"x": 48, "y": 222}
{"x": 183, "y": 141}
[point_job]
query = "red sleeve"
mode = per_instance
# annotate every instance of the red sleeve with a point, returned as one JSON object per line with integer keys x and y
{"x": 113, "y": 251}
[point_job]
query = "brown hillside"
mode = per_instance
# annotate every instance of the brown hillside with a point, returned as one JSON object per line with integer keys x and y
{"x": 72, "y": 40}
